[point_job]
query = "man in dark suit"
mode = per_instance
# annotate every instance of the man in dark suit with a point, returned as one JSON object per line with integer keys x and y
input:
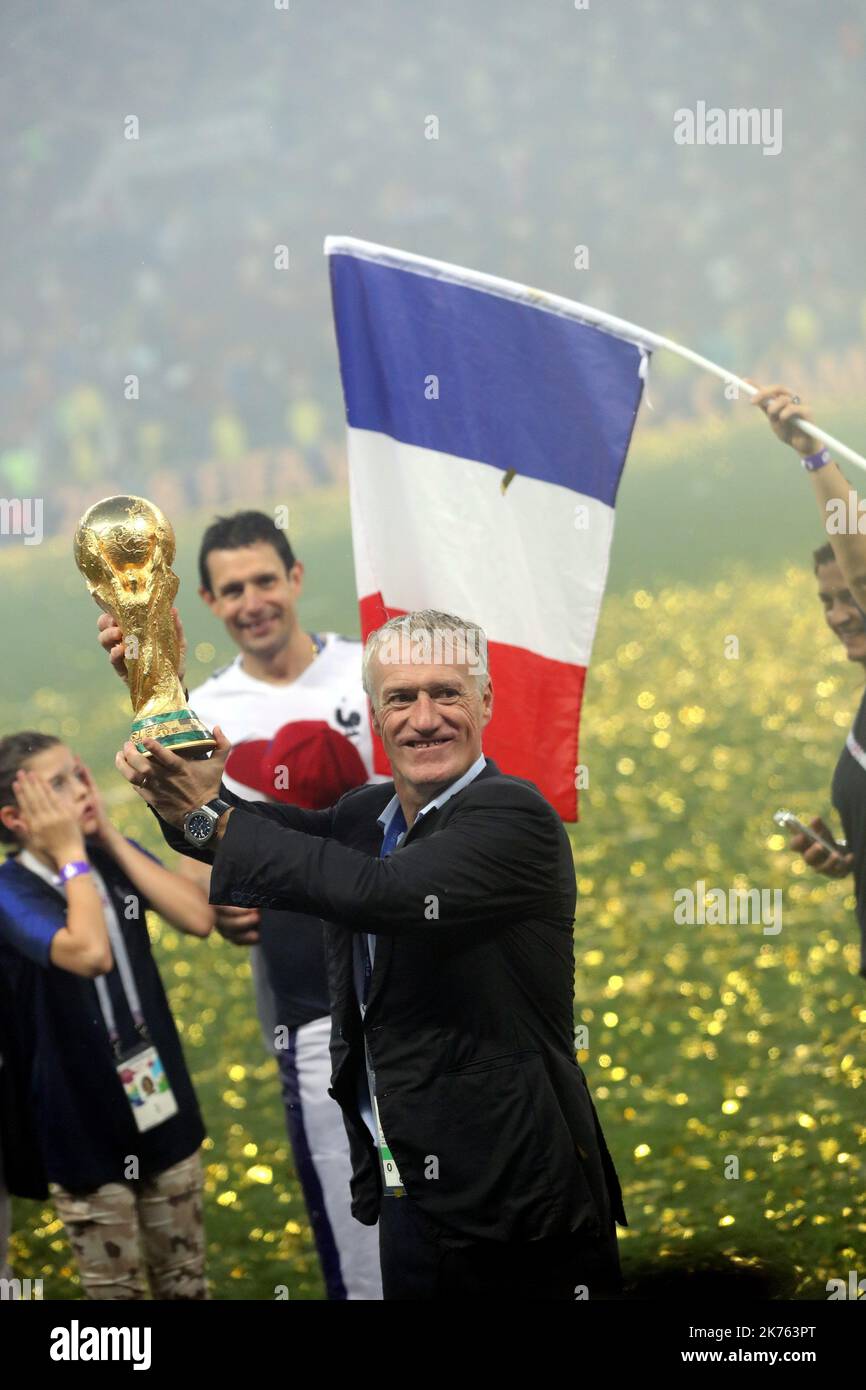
{"x": 449, "y": 901}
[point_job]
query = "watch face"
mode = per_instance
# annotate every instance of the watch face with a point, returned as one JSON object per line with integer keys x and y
{"x": 199, "y": 826}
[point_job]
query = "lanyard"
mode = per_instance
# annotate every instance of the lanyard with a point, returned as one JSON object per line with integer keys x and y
{"x": 124, "y": 970}
{"x": 392, "y": 840}
{"x": 858, "y": 753}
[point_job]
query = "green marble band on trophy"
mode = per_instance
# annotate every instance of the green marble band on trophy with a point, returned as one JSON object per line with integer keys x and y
{"x": 124, "y": 547}
{"x": 179, "y": 730}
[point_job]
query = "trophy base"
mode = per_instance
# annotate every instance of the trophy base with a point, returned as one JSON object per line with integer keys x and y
{"x": 179, "y": 730}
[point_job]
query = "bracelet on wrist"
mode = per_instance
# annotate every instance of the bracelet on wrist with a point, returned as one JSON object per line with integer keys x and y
{"x": 812, "y": 462}
{"x": 71, "y": 869}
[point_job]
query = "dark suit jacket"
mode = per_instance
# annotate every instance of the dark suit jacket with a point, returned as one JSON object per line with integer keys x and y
{"x": 470, "y": 1013}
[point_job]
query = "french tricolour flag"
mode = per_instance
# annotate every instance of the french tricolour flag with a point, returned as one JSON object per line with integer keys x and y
{"x": 487, "y": 432}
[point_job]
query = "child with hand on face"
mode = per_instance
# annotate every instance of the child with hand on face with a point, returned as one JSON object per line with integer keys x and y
{"x": 93, "y": 1024}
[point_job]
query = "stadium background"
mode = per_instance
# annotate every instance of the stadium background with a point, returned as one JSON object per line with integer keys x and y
{"x": 155, "y": 257}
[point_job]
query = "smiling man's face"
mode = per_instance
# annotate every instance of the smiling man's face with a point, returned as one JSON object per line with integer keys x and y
{"x": 254, "y": 594}
{"x": 841, "y": 612}
{"x": 430, "y": 719}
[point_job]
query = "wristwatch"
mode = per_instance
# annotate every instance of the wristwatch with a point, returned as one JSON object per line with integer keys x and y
{"x": 199, "y": 826}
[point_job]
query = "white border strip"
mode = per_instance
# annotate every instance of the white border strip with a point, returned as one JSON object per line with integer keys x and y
{"x": 490, "y": 284}
{"x": 566, "y": 308}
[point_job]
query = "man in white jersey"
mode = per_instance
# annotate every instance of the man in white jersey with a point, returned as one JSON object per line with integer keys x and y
{"x": 293, "y": 705}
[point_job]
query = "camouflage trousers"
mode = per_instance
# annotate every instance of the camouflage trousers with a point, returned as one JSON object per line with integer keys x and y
{"x": 128, "y": 1235}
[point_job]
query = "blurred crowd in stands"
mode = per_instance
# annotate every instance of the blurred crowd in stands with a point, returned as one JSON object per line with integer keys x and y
{"x": 147, "y": 338}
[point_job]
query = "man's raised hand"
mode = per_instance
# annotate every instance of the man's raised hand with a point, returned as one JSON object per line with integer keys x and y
{"x": 170, "y": 784}
{"x": 112, "y": 641}
{"x": 783, "y": 410}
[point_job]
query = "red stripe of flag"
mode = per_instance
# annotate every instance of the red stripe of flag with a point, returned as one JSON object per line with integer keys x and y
{"x": 538, "y": 739}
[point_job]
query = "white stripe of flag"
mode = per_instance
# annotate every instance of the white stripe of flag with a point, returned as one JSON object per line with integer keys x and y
{"x": 451, "y": 381}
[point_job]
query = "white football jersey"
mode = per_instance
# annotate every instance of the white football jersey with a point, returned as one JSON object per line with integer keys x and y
{"x": 329, "y": 690}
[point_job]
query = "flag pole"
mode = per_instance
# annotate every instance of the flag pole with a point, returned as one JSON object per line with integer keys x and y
{"x": 566, "y": 308}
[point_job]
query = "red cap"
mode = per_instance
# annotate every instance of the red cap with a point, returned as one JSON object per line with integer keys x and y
{"x": 306, "y": 763}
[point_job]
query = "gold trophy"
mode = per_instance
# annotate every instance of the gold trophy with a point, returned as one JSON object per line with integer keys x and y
{"x": 124, "y": 547}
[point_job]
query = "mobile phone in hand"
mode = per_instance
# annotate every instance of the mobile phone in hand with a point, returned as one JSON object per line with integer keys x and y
{"x": 788, "y": 821}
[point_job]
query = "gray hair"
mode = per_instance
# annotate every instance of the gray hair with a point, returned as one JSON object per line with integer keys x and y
{"x": 428, "y": 638}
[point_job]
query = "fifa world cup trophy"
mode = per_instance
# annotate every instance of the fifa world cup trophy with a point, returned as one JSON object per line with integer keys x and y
{"x": 124, "y": 547}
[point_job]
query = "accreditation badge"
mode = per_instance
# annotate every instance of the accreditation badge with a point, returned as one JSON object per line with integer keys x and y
{"x": 147, "y": 1089}
{"x": 390, "y": 1172}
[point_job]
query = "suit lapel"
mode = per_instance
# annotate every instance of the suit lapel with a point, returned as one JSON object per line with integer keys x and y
{"x": 369, "y": 838}
{"x": 365, "y": 834}
{"x": 383, "y": 949}
{"x": 385, "y": 943}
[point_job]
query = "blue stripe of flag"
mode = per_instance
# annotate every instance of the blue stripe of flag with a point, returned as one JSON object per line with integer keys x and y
{"x": 519, "y": 387}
